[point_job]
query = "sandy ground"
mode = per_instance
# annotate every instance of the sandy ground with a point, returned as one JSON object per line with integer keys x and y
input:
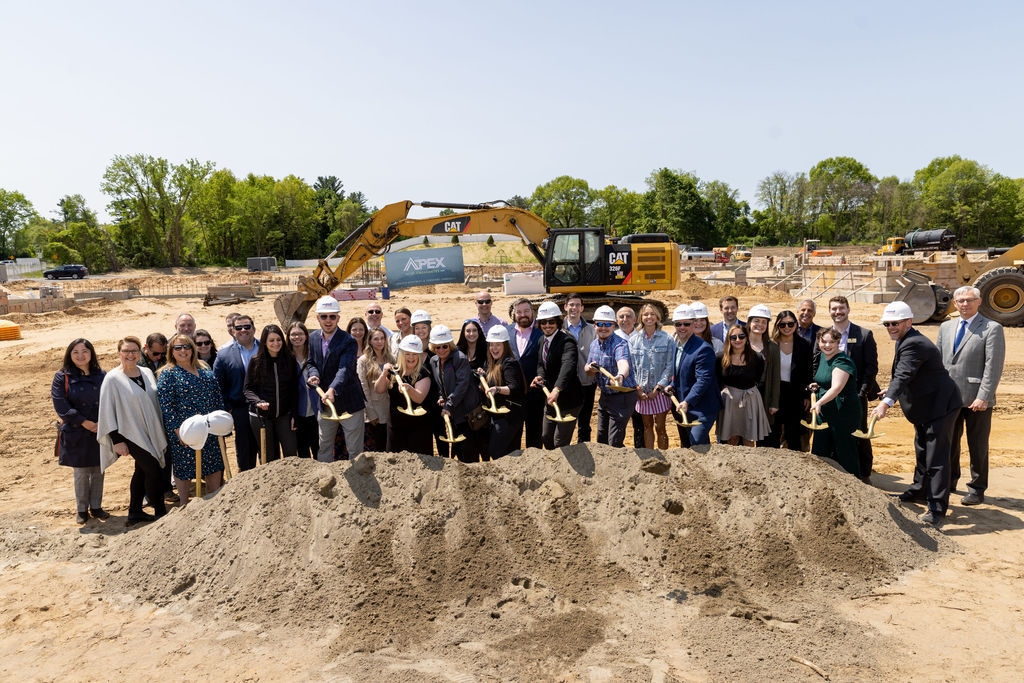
{"x": 620, "y": 593}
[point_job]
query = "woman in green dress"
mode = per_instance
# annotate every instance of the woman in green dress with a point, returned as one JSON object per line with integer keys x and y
{"x": 835, "y": 385}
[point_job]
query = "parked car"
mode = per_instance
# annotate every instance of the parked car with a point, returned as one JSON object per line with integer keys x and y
{"x": 75, "y": 271}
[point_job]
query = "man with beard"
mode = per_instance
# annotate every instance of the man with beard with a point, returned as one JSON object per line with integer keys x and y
{"x": 526, "y": 341}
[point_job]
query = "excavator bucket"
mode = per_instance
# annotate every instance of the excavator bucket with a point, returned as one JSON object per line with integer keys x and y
{"x": 293, "y": 307}
{"x": 927, "y": 300}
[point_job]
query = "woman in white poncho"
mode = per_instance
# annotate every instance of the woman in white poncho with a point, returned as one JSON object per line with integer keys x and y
{"x": 130, "y": 423}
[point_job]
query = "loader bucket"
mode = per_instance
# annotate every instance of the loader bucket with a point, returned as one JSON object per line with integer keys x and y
{"x": 293, "y": 307}
{"x": 924, "y": 298}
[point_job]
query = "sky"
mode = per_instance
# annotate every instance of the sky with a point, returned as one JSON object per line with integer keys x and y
{"x": 468, "y": 102}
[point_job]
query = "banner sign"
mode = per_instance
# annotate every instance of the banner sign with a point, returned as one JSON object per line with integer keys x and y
{"x": 414, "y": 268}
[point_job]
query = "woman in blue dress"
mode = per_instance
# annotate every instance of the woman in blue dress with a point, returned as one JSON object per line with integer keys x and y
{"x": 185, "y": 389}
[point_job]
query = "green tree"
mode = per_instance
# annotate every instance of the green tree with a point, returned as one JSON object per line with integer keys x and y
{"x": 673, "y": 205}
{"x": 840, "y": 188}
{"x": 151, "y": 197}
{"x": 254, "y": 209}
{"x": 968, "y": 198}
{"x": 15, "y": 212}
{"x": 616, "y": 209}
{"x": 295, "y": 210}
{"x": 563, "y": 202}
{"x": 730, "y": 216}
{"x": 213, "y": 216}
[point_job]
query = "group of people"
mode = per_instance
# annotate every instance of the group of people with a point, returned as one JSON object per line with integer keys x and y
{"x": 533, "y": 382}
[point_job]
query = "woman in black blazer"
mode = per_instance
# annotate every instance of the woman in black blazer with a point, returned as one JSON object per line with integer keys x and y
{"x": 796, "y": 369}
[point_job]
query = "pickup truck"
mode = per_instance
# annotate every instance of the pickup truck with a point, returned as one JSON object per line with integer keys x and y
{"x": 688, "y": 253}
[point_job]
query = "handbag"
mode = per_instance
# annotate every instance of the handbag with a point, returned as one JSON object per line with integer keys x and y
{"x": 478, "y": 418}
{"x": 60, "y": 423}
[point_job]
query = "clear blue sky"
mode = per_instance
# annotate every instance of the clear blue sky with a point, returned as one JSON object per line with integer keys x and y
{"x": 475, "y": 101}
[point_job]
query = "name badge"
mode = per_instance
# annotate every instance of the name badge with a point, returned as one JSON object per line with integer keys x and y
{"x": 851, "y": 340}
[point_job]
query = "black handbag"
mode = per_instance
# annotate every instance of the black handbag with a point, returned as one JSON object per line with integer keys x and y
{"x": 478, "y": 419}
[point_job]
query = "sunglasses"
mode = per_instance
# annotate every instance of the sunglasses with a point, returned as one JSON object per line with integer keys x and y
{"x": 483, "y": 301}
{"x": 547, "y": 321}
{"x": 683, "y": 324}
{"x": 204, "y": 343}
{"x": 324, "y": 316}
{"x": 157, "y": 354}
{"x": 788, "y": 324}
{"x": 603, "y": 324}
{"x": 892, "y": 324}
{"x": 243, "y": 327}
{"x": 181, "y": 347}
{"x": 442, "y": 346}
{"x": 737, "y": 337}
{"x": 374, "y": 312}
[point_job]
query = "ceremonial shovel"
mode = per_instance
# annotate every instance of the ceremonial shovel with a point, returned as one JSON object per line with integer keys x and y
{"x": 330, "y": 404}
{"x": 684, "y": 422}
{"x": 558, "y": 413}
{"x": 870, "y": 434}
{"x": 494, "y": 406}
{"x": 814, "y": 424}
{"x": 451, "y": 438}
{"x": 408, "y": 410}
{"x": 612, "y": 384}
{"x": 199, "y": 473}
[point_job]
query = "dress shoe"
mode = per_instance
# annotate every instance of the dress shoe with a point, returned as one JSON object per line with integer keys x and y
{"x": 973, "y": 498}
{"x": 99, "y": 513}
{"x": 171, "y": 497}
{"x": 82, "y": 517}
{"x": 932, "y": 518}
{"x": 910, "y": 497}
{"x": 139, "y": 518}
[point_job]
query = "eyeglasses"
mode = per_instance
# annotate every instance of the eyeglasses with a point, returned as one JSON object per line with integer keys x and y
{"x": 684, "y": 324}
{"x": 245, "y": 327}
{"x": 737, "y": 337}
{"x": 131, "y": 352}
{"x": 378, "y": 312}
{"x": 788, "y": 323}
{"x": 323, "y": 316}
{"x": 603, "y": 324}
{"x": 181, "y": 347}
{"x": 892, "y": 324}
{"x": 208, "y": 342}
{"x": 964, "y": 301}
{"x": 483, "y": 301}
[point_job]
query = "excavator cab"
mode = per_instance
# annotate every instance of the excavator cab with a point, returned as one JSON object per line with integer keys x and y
{"x": 574, "y": 258}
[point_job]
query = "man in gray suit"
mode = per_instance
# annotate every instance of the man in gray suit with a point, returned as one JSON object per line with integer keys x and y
{"x": 972, "y": 351}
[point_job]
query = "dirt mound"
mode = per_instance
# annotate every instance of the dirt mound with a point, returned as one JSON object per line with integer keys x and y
{"x": 542, "y": 562}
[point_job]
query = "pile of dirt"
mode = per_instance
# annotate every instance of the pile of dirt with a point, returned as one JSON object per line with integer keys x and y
{"x": 589, "y": 559}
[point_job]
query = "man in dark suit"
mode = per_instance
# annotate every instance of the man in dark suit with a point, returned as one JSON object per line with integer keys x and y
{"x": 332, "y": 355}
{"x": 930, "y": 400}
{"x": 730, "y": 308}
{"x": 229, "y": 368}
{"x": 525, "y": 341}
{"x": 584, "y": 333}
{"x": 859, "y": 344}
{"x": 973, "y": 350}
{"x": 556, "y": 371}
{"x": 694, "y": 384}
{"x": 805, "y": 325}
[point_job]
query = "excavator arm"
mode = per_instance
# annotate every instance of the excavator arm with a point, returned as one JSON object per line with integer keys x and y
{"x": 375, "y": 236}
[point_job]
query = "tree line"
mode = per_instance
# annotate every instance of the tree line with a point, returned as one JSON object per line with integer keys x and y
{"x": 192, "y": 213}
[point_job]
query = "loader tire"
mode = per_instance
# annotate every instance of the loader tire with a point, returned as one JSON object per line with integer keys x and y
{"x": 1002, "y": 296}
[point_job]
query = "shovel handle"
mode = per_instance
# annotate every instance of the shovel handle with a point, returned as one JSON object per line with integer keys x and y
{"x": 199, "y": 473}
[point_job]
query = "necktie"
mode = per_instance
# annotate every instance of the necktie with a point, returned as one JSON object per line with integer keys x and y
{"x": 959, "y": 335}
{"x": 544, "y": 354}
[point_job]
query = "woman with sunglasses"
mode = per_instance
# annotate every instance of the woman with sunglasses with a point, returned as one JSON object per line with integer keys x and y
{"x": 184, "y": 388}
{"x": 795, "y": 356}
{"x": 207, "y": 349}
{"x": 770, "y": 383}
{"x": 695, "y": 383}
{"x": 835, "y": 385}
{"x": 743, "y": 419}
{"x": 307, "y": 401}
{"x": 406, "y": 432}
{"x": 270, "y": 389}
{"x": 129, "y": 423}
{"x": 652, "y": 353}
{"x": 457, "y": 395}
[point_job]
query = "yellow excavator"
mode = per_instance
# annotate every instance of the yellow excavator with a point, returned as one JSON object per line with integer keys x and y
{"x": 583, "y": 260}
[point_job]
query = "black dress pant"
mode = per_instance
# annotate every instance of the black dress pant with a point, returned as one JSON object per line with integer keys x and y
{"x": 147, "y": 480}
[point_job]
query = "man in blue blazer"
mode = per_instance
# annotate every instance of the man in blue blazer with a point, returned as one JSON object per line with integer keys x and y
{"x": 525, "y": 341}
{"x": 730, "y": 308}
{"x": 229, "y": 369}
{"x": 930, "y": 400}
{"x": 695, "y": 384}
{"x": 332, "y": 357}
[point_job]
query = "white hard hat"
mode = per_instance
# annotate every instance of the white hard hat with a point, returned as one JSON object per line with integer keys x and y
{"x": 420, "y": 316}
{"x": 896, "y": 311}
{"x": 220, "y": 423}
{"x": 411, "y": 344}
{"x": 327, "y": 304}
{"x": 548, "y": 309}
{"x": 497, "y": 334}
{"x": 193, "y": 432}
{"x": 760, "y": 311}
{"x": 604, "y": 314}
{"x": 699, "y": 308}
{"x": 440, "y": 334}
{"x": 683, "y": 312}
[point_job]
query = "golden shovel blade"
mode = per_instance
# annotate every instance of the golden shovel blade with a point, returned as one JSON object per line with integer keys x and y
{"x": 494, "y": 406}
{"x": 450, "y": 438}
{"x": 870, "y": 434}
{"x": 330, "y": 404}
{"x": 684, "y": 422}
{"x": 558, "y": 417}
{"x": 611, "y": 382}
{"x": 814, "y": 424}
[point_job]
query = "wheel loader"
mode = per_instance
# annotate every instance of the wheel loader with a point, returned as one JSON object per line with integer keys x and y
{"x": 582, "y": 260}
